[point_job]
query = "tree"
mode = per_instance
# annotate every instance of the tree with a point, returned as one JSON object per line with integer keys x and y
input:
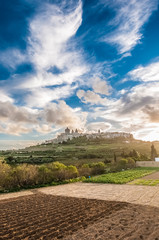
{"x": 115, "y": 158}
{"x": 153, "y": 153}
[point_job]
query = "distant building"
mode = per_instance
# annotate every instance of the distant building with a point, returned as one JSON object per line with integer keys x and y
{"x": 68, "y": 134}
{"x": 67, "y": 130}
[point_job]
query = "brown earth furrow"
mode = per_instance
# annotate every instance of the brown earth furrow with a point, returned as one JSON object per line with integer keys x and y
{"x": 42, "y": 216}
{"x": 47, "y": 217}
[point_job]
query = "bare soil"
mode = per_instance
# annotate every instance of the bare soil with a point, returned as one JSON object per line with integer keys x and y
{"x": 154, "y": 176}
{"x": 41, "y": 216}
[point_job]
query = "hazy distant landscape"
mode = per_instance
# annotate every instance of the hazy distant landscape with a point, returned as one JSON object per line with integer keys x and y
{"x": 17, "y": 144}
{"x": 82, "y": 150}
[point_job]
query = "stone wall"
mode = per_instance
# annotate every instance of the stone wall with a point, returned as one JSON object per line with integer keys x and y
{"x": 147, "y": 164}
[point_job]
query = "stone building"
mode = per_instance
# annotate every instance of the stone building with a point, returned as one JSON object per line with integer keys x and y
{"x": 68, "y": 134}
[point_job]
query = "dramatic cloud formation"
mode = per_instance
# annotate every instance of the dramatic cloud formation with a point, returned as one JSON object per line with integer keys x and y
{"x": 12, "y": 57}
{"x": 146, "y": 74}
{"x": 40, "y": 97}
{"x": 96, "y": 126}
{"x": 14, "y": 129}
{"x": 4, "y": 97}
{"x": 130, "y": 17}
{"x": 133, "y": 112}
{"x": 61, "y": 114}
{"x": 90, "y": 97}
{"x": 51, "y": 50}
{"x": 16, "y": 114}
{"x": 101, "y": 87}
{"x": 57, "y": 114}
{"x": 58, "y": 67}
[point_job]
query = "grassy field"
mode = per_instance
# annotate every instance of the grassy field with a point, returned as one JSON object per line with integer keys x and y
{"x": 122, "y": 177}
{"x": 79, "y": 152}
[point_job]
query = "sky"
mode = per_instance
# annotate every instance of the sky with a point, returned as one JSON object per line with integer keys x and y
{"x": 83, "y": 64}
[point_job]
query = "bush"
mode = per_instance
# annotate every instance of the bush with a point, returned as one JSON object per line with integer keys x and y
{"x": 97, "y": 168}
{"x": 58, "y": 171}
{"x": 71, "y": 172}
{"x": 124, "y": 163}
{"x": 85, "y": 170}
{"x": 5, "y": 170}
{"x": 92, "y": 169}
{"x": 44, "y": 175}
{"x": 10, "y": 159}
{"x": 106, "y": 161}
{"x": 143, "y": 157}
{"x": 131, "y": 163}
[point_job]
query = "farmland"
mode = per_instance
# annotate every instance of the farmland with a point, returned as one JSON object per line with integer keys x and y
{"x": 42, "y": 214}
{"x": 121, "y": 177}
{"x": 79, "y": 151}
{"x": 50, "y": 217}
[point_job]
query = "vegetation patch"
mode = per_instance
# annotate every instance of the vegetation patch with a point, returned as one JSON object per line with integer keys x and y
{"x": 81, "y": 151}
{"x": 121, "y": 177}
{"x": 146, "y": 182}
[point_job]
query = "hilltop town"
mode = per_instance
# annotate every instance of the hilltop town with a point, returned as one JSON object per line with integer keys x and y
{"x": 70, "y": 134}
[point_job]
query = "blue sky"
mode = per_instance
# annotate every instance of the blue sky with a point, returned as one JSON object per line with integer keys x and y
{"x": 83, "y": 64}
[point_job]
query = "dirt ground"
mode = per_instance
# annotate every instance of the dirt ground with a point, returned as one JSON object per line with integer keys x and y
{"x": 41, "y": 216}
{"x": 154, "y": 176}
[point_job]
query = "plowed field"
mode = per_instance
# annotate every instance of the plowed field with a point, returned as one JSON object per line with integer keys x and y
{"x": 41, "y": 216}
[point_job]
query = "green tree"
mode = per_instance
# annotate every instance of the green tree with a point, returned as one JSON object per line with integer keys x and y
{"x": 153, "y": 153}
{"x": 115, "y": 158}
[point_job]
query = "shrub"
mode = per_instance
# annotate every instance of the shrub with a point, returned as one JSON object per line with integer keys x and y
{"x": 24, "y": 175}
{"x": 131, "y": 163}
{"x": 44, "y": 175}
{"x": 10, "y": 159}
{"x": 5, "y": 170}
{"x": 71, "y": 172}
{"x": 85, "y": 170}
{"x": 124, "y": 163}
{"x": 58, "y": 171}
{"x": 106, "y": 161}
{"x": 118, "y": 166}
{"x": 97, "y": 168}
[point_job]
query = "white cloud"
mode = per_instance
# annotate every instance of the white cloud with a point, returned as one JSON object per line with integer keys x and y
{"x": 50, "y": 31}
{"x": 91, "y": 97}
{"x": 10, "y": 112}
{"x": 18, "y": 120}
{"x": 63, "y": 115}
{"x": 95, "y": 126}
{"x": 4, "y": 97}
{"x": 44, "y": 128}
{"x": 14, "y": 129}
{"x": 135, "y": 111}
{"x": 51, "y": 46}
{"x": 12, "y": 57}
{"x": 40, "y": 97}
{"x": 43, "y": 78}
{"x": 100, "y": 86}
{"x": 148, "y": 73}
{"x": 130, "y": 17}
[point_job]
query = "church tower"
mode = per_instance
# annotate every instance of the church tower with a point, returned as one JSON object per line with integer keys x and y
{"x": 67, "y": 131}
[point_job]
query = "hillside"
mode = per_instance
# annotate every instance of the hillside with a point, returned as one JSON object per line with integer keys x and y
{"x": 79, "y": 151}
